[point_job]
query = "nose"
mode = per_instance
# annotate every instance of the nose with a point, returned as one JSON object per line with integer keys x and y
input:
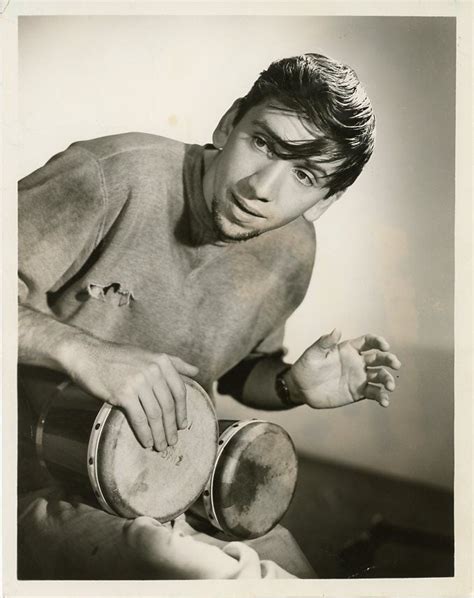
{"x": 265, "y": 181}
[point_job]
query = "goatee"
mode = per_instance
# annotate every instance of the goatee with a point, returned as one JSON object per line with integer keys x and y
{"x": 218, "y": 223}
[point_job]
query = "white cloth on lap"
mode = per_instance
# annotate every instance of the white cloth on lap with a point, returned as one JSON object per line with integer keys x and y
{"x": 61, "y": 537}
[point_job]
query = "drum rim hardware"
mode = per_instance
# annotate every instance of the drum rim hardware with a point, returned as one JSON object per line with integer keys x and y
{"x": 92, "y": 456}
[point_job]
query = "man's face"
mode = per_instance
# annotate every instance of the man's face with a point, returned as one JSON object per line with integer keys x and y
{"x": 249, "y": 189}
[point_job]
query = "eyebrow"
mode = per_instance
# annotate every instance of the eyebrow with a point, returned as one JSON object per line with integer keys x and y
{"x": 268, "y": 130}
{"x": 277, "y": 140}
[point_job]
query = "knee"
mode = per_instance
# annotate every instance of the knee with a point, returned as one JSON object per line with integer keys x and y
{"x": 143, "y": 531}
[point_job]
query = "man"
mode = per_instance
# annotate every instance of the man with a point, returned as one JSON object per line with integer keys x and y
{"x": 143, "y": 260}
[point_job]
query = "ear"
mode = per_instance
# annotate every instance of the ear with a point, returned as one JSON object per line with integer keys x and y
{"x": 225, "y": 126}
{"x": 316, "y": 211}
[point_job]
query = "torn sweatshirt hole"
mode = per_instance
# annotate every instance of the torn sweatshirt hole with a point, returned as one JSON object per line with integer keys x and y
{"x": 112, "y": 293}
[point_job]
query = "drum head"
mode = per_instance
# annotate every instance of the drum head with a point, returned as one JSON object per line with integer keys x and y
{"x": 137, "y": 481}
{"x": 254, "y": 479}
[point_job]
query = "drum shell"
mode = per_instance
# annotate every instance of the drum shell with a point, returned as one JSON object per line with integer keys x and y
{"x": 63, "y": 432}
{"x": 253, "y": 481}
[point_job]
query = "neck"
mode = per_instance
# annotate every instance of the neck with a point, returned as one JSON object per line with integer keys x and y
{"x": 209, "y": 157}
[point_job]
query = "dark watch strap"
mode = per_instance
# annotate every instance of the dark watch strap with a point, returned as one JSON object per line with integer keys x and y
{"x": 282, "y": 390}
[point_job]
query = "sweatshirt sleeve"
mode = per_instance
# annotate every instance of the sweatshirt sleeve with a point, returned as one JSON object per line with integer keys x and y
{"x": 233, "y": 382}
{"x": 61, "y": 213}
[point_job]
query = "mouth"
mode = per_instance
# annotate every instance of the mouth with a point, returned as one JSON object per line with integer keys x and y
{"x": 242, "y": 205}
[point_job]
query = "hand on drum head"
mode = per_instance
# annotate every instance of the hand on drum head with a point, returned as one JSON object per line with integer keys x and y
{"x": 147, "y": 386}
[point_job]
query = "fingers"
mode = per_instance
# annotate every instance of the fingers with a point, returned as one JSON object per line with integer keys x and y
{"x": 177, "y": 388}
{"x": 327, "y": 341}
{"x": 151, "y": 413}
{"x": 376, "y": 357}
{"x": 183, "y": 367}
{"x": 155, "y": 401}
{"x": 165, "y": 399}
{"x": 383, "y": 377}
{"x": 167, "y": 390}
{"x": 138, "y": 421}
{"x": 376, "y": 393}
{"x": 154, "y": 416}
{"x": 371, "y": 341}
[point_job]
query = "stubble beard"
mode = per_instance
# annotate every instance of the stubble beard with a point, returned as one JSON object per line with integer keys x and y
{"x": 218, "y": 222}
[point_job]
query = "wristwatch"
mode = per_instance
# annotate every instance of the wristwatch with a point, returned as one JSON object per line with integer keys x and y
{"x": 281, "y": 388}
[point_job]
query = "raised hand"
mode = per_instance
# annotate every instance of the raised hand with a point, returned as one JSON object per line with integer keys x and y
{"x": 332, "y": 373}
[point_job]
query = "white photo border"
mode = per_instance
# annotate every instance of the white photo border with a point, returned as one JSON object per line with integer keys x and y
{"x": 458, "y": 586}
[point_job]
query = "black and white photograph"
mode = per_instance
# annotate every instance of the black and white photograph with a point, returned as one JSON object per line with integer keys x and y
{"x": 235, "y": 355}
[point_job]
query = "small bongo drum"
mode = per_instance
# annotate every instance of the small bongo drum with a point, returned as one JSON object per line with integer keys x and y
{"x": 253, "y": 480}
{"x": 90, "y": 445}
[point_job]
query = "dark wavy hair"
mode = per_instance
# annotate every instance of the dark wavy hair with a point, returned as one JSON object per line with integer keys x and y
{"x": 329, "y": 95}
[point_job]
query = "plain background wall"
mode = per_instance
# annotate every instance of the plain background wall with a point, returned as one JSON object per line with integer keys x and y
{"x": 385, "y": 260}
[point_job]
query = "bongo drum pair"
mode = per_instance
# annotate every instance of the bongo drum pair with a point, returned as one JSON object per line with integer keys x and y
{"x": 239, "y": 476}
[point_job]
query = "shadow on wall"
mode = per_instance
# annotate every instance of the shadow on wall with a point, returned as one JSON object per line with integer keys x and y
{"x": 412, "y": 439}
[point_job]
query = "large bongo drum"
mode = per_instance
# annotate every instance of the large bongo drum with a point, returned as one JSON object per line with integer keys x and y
{"x": 253, "y": 480}
{"x": 90, "y": 445}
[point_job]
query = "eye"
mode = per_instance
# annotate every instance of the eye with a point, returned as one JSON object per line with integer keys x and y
{"x": 304, "y": 177}
{"x": 261, "y": 144}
